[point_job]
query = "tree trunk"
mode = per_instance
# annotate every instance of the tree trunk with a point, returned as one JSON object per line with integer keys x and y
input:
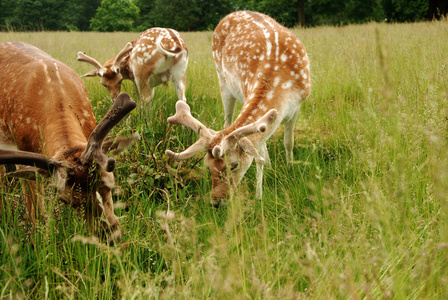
{"x": 301, "y": 12}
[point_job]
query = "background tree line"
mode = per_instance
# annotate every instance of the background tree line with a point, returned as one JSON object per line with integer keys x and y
{"x": 195, "y": 15}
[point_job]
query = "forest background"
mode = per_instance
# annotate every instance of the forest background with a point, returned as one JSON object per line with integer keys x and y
{"x": 199, "y": 15}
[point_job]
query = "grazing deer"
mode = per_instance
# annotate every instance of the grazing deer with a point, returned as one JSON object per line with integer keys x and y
{"x": 155, "y": 57}
{"x": 262, "y": 64}
{"x": 45, "y": 112}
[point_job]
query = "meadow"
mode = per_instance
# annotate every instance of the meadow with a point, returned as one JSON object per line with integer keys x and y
{"x": 361, "y": 214}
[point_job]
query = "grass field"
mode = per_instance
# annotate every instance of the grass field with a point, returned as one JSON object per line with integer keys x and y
{"x": 363, "y": 213}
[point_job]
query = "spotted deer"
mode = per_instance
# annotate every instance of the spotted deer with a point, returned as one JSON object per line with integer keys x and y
{"x": 47, "y": 125}
{"x": 265, "y": 66}
{"x": 155, "y": 57}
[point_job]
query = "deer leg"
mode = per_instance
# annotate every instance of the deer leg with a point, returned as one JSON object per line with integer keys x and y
{"x": 288, "y": 139}
{"x": 179, "y": 85}
{"x": 179, "y": 77}
{"x": 33, "y": 200}
{"x": 259, "y": 191}
{"x": 146, "y": 91}
{"x": 265, "y": 154}
{"x": 103, "y": 216}
{"x": 229, "y": 101}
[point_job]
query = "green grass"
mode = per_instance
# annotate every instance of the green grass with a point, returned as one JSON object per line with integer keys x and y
{"x": 361, "y": 214}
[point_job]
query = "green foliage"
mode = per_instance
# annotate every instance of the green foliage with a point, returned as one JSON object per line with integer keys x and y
{"x": 284, "y": 11}
{"x": 47, "y": 14}
{"x": 341, "y": 12}
{"x": 405, "y": 11}
{"x": 115, "y": 15}
{"x": 195, "y": 15}
{"x": 182, "y": 15}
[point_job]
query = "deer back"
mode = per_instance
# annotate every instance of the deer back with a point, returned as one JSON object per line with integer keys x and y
{"x": 155, "y": 51}
{"x": 261, "y": 63}
{"x": 44, "y": 105}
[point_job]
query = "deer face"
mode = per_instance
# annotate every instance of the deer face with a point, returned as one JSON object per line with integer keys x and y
{"x": 90, "y": 186}
{"x": 111, "y": 73}
{"x": 112, "y": 81}
{"x": 226, "y": 172}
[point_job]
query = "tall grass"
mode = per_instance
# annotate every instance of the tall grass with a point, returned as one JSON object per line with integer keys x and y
{"x": 362, "y": 213}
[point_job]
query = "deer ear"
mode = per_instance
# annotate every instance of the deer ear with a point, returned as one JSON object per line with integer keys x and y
{"x": 115, "y": 69}
{"x": 117, "y": 145}
{"x": 92, "y": 73}
{"x": 28, "y": 173}
{"x": 247, "y": 146}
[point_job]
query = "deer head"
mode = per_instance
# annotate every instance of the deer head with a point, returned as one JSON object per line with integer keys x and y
{"x": 111, "y": 73}
{"x": 228, "y": 154}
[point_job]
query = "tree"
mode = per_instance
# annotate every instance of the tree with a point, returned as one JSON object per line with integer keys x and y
{"x": 78, "y": 13}
{"x": 301, "y": 12}
{"x": 143, "y": 21}
{"x": 28, "y": 15}
{"x": 404, "y": 10}
{"x": 437, "y": 9}
{"x": 115, "y": 15}
{"x": 183, "y": 15}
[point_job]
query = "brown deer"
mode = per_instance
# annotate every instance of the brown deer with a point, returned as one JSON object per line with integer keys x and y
{"x": 155, "y": 57}
{"x": 264, "y": 65}
{"x": 46, "y": 114}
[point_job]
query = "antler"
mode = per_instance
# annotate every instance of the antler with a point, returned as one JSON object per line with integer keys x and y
{"x": 183, "y": 116}
{"x": 199, "y": 146}
{"x": 258, "y": 126}
{"x": 122, "y": 106}
{"x": 120, "y": 56}
{"x": 85, "y": 58}
{"x": 28, "y": 159}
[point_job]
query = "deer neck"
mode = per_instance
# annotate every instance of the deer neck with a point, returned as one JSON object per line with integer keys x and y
{"x": 255, "y": 107}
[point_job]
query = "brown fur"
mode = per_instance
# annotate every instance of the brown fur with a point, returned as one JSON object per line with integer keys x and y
{"x": 45, "y": 108}
{"x": 146, "y": 66}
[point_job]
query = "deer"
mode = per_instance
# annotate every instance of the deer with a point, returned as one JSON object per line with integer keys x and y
{"x": 265, "y": 66}
{"x": 155, "y": 57}
{"x": 47, "y": 125}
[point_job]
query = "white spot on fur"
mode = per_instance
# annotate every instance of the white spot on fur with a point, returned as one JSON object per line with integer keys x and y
{"x": 287, "y": 84}
{"x": 268, "y": 48}
{"x": 276, "y": 81}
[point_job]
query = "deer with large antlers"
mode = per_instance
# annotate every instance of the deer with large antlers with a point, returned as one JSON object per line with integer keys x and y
{"x": 155, "y": 57}
{"x": 265, "y": 66}
{"x": 47, "y": 124}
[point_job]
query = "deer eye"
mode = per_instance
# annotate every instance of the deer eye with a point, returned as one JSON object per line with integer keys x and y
{"x": 234, "y": 165}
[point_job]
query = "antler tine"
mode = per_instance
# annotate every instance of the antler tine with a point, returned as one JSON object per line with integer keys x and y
{"x": 122, "y": 106}
{"x": 120, "y": 56}
{"x": 197, "y": 147}
{"x": 85, "y": 58}
{"x": 183, "y": 116}
{"x": 28, "y": 159}
{"x": 258, "y": 126}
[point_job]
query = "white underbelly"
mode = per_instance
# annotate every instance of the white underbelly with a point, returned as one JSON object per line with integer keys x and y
{"x": 6, "y": 142}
